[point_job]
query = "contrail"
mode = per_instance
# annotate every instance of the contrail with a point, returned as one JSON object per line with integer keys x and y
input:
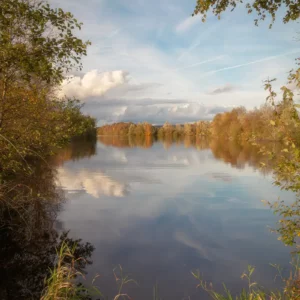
{"x": 115, "y": 32}
{"x": 253, "y": 62}
{"x": 200, "y": 63}
{"x": 199, "y": 40}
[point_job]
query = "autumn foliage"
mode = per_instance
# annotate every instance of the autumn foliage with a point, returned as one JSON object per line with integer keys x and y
{"x": 38, "y": 49}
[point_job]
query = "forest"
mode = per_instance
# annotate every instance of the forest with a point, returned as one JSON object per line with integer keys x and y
{"x": 200, "y": 128}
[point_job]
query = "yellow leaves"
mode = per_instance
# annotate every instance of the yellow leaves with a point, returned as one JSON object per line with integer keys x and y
{"x": 265, "y": 202}
{"x": 272, "y": 122}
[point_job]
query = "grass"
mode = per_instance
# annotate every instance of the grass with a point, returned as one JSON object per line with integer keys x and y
{"x": 62, "y": 283}
{"x": 121, "y": 281}
{"x": 291, "y": 290}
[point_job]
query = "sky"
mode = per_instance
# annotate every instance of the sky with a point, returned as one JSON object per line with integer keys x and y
{"x": 151, "y": 61}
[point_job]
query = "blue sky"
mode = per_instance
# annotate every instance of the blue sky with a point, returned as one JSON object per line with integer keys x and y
{"x": 150, "y": 60}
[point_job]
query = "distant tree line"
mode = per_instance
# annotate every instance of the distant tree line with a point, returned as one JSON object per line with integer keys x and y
{"x": 200, "y": 128}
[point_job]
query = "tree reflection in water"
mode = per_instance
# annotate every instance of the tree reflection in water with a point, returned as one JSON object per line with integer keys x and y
{"x": 280, "y": 160}
{"x": 29, "y": 231}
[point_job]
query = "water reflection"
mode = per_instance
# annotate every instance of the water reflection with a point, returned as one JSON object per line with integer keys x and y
{"x": 95, "y": 184}
{"x": 236, "y": 154}
{"x": 158, "y": 208}
{"x": 81, "y": 147}
{"x": 30, "y": 232}
{"x": 127, "y": 141}
{"x": 163, "y": 208}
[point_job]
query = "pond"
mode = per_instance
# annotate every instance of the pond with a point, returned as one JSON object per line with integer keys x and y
{"x": 162, "y": 209}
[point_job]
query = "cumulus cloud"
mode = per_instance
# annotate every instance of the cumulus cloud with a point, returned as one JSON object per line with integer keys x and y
{"x": 186, "y": 24}
{"x": 132, "y": 90}
{"x": 95, "y": 184}
{"x": 104, "y": 102}
{"x": 155, "y": 111}
{"x": 93, "y": 84}
{"x": 180, "y": 113}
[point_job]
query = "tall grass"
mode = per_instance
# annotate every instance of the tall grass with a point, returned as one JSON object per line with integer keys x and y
{"x": 61, "y": 284}
{"x": 122, "y": 280}
{"x": 291, "y": 290}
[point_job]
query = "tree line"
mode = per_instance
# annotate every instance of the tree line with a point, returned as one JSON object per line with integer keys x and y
{"x": 200, "y": 128}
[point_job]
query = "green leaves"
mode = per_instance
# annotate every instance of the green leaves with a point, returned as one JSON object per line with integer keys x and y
{"x": 38, "y": 49}
{"x": 38, "y": 41}
{"x": 262, "y": 9}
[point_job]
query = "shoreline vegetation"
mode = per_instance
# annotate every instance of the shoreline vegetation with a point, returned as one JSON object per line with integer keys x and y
{"x": 38, "y": 50}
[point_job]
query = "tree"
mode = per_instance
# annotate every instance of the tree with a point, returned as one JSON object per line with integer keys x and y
{"x": 38, "y": 49}
{"x": 139, "y": 130}
{"x": 261, "y": 7}
{"x": 160, "y": 132}
{"x": 148, "y": 129}
{"x": 202, "y": 128}
{"x": 179, "y": 129}
{"x": 168, "y": 129}
{"x": 187, "y": 129}
{"x": 131, "y": 130}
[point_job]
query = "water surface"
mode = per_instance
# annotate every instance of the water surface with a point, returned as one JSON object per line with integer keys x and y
{"x": 163, "y": 209}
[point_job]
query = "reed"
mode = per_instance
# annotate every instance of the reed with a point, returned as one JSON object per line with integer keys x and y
{"x": 61, "y": 284}
{"x": 290, "y": 291}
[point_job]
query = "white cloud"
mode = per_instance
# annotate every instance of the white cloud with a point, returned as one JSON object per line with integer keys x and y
{"x": 186, "y": 24}
{"x": 93, "y": 84}
{"x": 95, "y": 184}
{"x": 173, "y": 109}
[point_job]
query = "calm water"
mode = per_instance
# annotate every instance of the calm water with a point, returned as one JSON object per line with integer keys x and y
{"x": 163, "y": 209}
